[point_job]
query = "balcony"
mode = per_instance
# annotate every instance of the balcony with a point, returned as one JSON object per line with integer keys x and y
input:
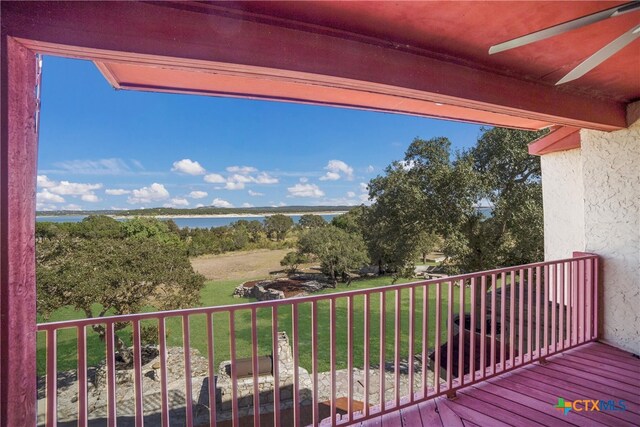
{"x": 465, "y": 345}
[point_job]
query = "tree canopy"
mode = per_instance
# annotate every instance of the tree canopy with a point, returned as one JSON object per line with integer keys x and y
{"x": 435, "y": 191}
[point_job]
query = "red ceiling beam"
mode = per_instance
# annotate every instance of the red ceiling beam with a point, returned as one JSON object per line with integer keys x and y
{"x": 224, "y": 41}
{"x": 561, "y": 139}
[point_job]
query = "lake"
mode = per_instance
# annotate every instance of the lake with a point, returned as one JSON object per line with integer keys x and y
{"x": 201, "y": 222}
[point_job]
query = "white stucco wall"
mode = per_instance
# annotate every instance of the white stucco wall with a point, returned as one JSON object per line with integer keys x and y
{"x": 563, "y": 195}
{"x": 611, "y": 173}
{"x": 592, "y": 203}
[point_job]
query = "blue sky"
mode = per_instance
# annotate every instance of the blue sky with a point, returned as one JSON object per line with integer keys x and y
{"x": 107, "y": 149}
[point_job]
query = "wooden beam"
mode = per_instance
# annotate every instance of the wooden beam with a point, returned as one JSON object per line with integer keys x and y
{"x": 205, "y": 37}
{"x": 18, "y": 156}
{"x": 560, "y": 139}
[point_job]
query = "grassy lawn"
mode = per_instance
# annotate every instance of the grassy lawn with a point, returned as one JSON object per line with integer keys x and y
{"x": 218, "y": 293}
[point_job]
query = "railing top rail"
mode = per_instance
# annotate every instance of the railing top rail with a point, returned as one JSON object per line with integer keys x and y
{"x": 289, "y": 301}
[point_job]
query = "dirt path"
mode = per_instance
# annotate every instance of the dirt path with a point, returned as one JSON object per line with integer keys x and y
{"x": 256, "y": 264}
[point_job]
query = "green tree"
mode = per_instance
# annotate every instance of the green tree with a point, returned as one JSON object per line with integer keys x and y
{"x": 114, "y": 276}
{"x": 99, "y": 227}
{"x": 337, "y": 250}
{"x": 277, "y": 226}
{"x": 351, "y": 221}
{"x": 308, "y": 221}
{"x": 292, "y": 261}
{"x": 435, "y": 191}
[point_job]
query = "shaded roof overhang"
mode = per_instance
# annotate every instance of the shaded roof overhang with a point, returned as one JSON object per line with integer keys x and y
{"x": 399, "y": 57}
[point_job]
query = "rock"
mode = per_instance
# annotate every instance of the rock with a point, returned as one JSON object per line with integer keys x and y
{"x": 156, "y": 365}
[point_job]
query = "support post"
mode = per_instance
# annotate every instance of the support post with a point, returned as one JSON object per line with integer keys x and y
{"x": 18, "y": 159}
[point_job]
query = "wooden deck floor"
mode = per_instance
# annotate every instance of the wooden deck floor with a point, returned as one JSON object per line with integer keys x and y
{"x": 528, "y": 396}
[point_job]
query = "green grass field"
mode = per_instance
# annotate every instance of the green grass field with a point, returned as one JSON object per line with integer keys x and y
{"x": 217, "y": 293}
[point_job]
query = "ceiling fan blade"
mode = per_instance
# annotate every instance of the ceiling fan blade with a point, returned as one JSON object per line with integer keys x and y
{"x": 602, "y": 55}
{"x": 564, "y": 27}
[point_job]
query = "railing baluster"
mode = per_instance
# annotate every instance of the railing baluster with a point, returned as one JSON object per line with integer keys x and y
{"x": 596, "y": 285}
{"x": 254, "y": 366}
{"x": 82, "y": 377}
{"x": 461, "y": 334}
{"x": 383, "y": 347}
{"x": 332, "y": 323}
{"x": 569, "y": 273}
{"x": 575, "y": 276}
{"x": 438, "y": 331}
{"x": 314, "y": 360}
{"x": 52, "y": 378}
{"x": 529, "y": 312}
{"x": 111, "y": 375}
{"x": 560, "y": 286}
{"x": 275, "y": 336}
{"x": 296, "y": 363}
{"x": 589, "y": 286}
{"x": 472, "y": 339}
{"x": 538, "y": 300}
{"x": 162, "y": 341}
{"x": 483, "y": 325}
{"x": 493, "y": 322}
{"x": 503, "y": 321}
{"x": 450, "y": 336}
{"x": 212, "y": 370}
{"x": 581, "y": 285}
{"x": 554, "y": 306}
{"x": 521, "y": 317}
{"x": 512, "y": 318}
{"x": 365, "y": 379}
{"x": 350, "y": 357}
{"x": 235, "y": 416}
{"x": 546, "y": 310}
{"x": 396, "y": 353}
{"x": 412, "y": 309}
{"x": 425, "y": 338}
{"x": 137, "y": 369}
{"x": 186, "y": 345}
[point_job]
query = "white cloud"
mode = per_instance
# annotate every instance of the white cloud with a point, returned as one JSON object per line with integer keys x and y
{"x": 199, "y": 205}
{"x": 198, "y": 194}
{"x": 45, "y": 182}
{"x": 351, "y": 194}
{"x": 177, "y": 203}
{"x": 231, "y": 185}
{"x": 90, "y": 198}
{"x": 337, "y": 169}
{"x": 255, "y": 193}
{"x": 370, "y": 168}
{"x": 407, "y": 165}
{"x": 304, "y": 179}
{"x": 66, "y": 188}
{"x": 155, "y": 192}
{"x": 265, "y": 178}
{"x": 214, "y": 178}
{"x": 305, "y": 190}
{"x": 188, "y": 166}
{"x": 219, "y": 203}
{"x": 239, "y": 178}
{"x": 116, "y": 191}
{"x": 330, "y": 176}
{"x": 72, "y": 207}
{"x": 244, "y": 170}
{"x": 47, "y": 196}
{"x": 247, "y": 205}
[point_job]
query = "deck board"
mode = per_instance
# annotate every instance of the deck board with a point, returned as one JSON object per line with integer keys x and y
{"x": 527, "y": 396}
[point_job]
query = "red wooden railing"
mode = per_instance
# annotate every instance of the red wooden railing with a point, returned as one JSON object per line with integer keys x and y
{"x": 523, "y": 313}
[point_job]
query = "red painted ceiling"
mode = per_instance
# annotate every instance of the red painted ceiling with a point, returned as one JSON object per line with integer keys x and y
{"x": 464, "y": 31}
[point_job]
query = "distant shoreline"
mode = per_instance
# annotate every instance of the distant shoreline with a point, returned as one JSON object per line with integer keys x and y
{"x": 251, "y": 215}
